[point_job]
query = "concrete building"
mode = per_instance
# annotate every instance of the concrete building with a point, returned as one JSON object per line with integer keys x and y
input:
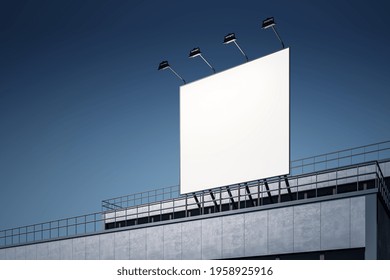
{"x": 333, "y": 206}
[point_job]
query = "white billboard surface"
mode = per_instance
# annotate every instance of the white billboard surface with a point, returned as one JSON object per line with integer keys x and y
{"x": 235, "y": 125}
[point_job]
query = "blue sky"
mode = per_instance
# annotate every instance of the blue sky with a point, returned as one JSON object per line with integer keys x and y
{"x": 85, "y": 115}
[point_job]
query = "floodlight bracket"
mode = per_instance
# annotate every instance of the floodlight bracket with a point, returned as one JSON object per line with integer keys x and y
{"x": 165, "y": 65}
{"x": 196, "y": 52}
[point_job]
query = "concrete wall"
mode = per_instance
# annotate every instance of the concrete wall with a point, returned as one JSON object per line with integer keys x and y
{"x": 383, "y": 233}
{"x": 327, "y": 225}
{"x": 385, "y": 167}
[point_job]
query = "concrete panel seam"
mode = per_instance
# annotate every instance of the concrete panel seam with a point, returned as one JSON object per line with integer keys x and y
{"x": 130, "y": 244}
{"x": 350, "y": 222}
{"x": 71, "y": 249}
{"x": 268, "y": 226}
{"x": 163, "y": 235}
{"x": 222, "y": 245}
{"x": 321, "y": 225}
{"x": 201, "y": 240}
{"x": 146, "y": 243}
{"x": 181, "y": 241}
{"x": 293, "y": 227}
{"x": 350, "y": 218}
{"x": 244, "y": 216}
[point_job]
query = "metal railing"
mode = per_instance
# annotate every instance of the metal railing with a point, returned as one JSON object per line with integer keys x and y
{"x": 140, "y": 198}
{"x": 377, "y": 151}
{"x": 73, "y": 226}
{"x": 351, "y": 178}
{"x": 256, "y": 193}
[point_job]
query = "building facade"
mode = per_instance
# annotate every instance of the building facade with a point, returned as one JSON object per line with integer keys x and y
{"x": 333, "y": 213}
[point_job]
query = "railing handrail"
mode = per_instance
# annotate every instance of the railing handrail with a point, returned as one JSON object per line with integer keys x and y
{"x": 269, "y": 181}
{"x": 333, "y": 159}
{"x": 138, "y": 193}
{"x": 344, "y": 150}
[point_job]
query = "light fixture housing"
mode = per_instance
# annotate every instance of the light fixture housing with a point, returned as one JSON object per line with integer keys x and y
{"x": 231, "y": 37}
{"x": 268, "y": 22}
{"x": 195, "y": 52}
{"x": 163, "y": 65}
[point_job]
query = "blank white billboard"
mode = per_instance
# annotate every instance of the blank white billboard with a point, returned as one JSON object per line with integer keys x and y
{"x": 235, "y": 125}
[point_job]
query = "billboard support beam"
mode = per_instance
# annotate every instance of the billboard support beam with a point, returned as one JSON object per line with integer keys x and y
{"x": 231, "y": 196}
{"x": 249, "y": 194}
{"x": 268, "y": 191}
{"x": 288, "y": 187}
{"x": 197, "y": 201}
{"x": 213, "y": 198}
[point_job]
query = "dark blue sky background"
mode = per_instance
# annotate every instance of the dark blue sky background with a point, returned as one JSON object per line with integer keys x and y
{"x": 85, "y": 115}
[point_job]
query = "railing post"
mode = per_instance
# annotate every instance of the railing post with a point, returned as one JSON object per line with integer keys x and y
{"x": 202, "y": 212}
{"x": 148, "y": 213}
{"x": 220, "y": 199}
{"x": 136, "y": 215}
{"x": 326, "y": 161}
{"x": 377, "y": 149}
{"x": 173, "y": 208}
{"x": 160, "y": 210}
{"x": 376, "y": 180}
{"x": 338, "y": 159}
{"x": 357, "y": 178}
{"x": 186, "y": 205}
{"x": 239, "y": 197}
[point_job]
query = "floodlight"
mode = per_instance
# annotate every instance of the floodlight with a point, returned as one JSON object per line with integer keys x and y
{"x": 196, "y": 52}
{"x": 165, "y": 65}
{"x": 270, "y": 22}
{"x": 231, "y": 37}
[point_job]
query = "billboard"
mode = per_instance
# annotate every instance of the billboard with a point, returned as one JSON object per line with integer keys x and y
{"x": 235, "y": 125}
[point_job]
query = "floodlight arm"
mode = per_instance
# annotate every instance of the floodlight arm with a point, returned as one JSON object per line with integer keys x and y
{"x": 165, "y": 65}
{"x": 207, "y": 62}
{"x": 277, "y": 35}
{"x": 177, "y": 75}
{"x": 246, "y": 57}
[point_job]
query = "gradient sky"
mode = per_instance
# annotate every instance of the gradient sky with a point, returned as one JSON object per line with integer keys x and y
{"x": 86, "y": 116}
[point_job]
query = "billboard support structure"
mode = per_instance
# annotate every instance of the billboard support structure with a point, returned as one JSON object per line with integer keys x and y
{"x": 268, "y": 190}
